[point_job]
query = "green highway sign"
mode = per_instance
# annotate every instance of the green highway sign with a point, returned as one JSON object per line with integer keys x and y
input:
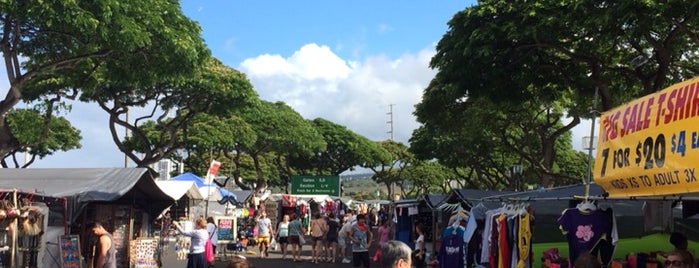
{"x": 329, "y": 185}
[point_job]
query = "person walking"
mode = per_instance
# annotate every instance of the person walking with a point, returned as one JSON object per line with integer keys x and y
{"x": 342, "y": 240}
{"x": 198, "y": 237}
{"x": 331, "y": 238}
{"x": 296, "y": 230}
{"x": 265, "y": 232}
{"x": 384, "y": 233}
{"x": 361, "y": 236}
{"x": 419, "y": 256}
{"x": 318, "y": 229}
{"x": 212, "y": 229}
{"x": 105, "y": 251}
{"x": 283, "y": 235}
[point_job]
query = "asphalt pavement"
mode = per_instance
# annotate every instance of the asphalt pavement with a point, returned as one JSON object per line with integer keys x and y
{"x": 169, "y": 259}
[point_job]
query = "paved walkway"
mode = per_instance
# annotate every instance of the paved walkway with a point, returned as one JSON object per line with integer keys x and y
{"x": 273, "y": 261}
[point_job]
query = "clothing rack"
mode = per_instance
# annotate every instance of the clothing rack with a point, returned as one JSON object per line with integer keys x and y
{"x": 582, "y": 197}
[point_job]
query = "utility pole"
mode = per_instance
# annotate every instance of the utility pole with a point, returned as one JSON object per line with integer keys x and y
{"x": 390, "y": 120}
{"x": 126, "y": 135}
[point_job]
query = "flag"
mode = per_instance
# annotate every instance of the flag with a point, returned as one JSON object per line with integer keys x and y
{"x": 213, "y": 170}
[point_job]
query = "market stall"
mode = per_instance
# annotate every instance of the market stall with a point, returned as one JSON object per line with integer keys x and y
{"x": 185, "y": 193}
{"x": 647, "y": 149}
{"x": 211, "y": 194}
{"x": 126, "y": 200}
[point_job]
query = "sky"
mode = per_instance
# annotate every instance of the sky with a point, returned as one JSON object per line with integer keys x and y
{"x": 356, "y": 63}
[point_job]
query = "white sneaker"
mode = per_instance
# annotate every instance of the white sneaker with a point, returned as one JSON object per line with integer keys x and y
{"x": 346, "y": 260}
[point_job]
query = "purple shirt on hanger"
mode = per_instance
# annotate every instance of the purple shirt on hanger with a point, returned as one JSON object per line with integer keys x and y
{"x": 584, "y": 229}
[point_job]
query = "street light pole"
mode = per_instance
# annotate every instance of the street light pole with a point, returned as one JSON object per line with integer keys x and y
{"x": 516, "y": 175}
{"x": 588, "y": 178}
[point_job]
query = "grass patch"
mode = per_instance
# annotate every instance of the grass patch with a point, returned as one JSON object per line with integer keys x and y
{"x": 648, "y": 243}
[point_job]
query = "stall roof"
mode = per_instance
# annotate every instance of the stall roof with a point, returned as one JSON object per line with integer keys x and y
{"x": 178, "y": 189}
{"x": 433, "y": 200}
{"x": 242, "y": 195}
{"x": 406, "y": 203}
{"x": 476, "y": 194}
{"x": 552, "y": 201}
{"x": 85, "y": 185}
{"x": 208, "y": 190}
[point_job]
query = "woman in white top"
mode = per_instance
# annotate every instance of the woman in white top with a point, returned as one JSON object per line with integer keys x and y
{"x": 283, "y": 234}
{"x": 419, "y": 253}
{"x": 199, "y": 235}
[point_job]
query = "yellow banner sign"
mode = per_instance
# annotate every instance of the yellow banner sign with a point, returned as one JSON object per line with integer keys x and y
{"x": 650, "y": 146}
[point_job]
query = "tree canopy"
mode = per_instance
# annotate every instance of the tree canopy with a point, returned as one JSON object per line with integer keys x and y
{"x": 55, "y": 49}
{"x": 509, "y": 71}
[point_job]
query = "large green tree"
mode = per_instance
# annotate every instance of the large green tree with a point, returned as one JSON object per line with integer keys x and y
{"x": 345, "y": 150}
{"x": 538, "y": 61}
{"x": 280, "y": 131}
{"x": 55, "y": 49}
{"x": 519, "y": 50}
{"x": 425, "y": 177}
{"x": 389, "y": 164}
{"x": 215, "y": 89}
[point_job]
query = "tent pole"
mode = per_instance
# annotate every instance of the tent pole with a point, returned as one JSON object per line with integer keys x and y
{"x": 208, "y": 197}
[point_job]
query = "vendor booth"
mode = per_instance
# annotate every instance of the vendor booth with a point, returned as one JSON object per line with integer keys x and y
{"x": 125, "y": 200}
{"x": 211, "y": 194}
{"x": 186, "y": 195}
{"x": 647, "y": 150}
{"x": 410, "y": 212}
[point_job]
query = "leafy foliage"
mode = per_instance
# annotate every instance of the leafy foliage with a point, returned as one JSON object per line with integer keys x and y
{"x": 344, "y": 151}
{"x": 55, "y": 49}
{"x": 508, "y": 71}
{"x": 39, "y": 135}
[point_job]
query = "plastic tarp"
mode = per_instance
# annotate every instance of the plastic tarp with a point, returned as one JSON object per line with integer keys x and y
{"x": 209, "y": 191}
{"x": 81, "y": 186}
{"x": 178, "y": 189}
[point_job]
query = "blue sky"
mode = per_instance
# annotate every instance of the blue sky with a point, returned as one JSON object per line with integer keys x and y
{"x": 345, "y": 61}
{"x": 353, "y": 30}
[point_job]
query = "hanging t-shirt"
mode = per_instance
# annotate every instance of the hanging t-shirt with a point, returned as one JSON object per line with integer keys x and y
{"x": 504, "y": 254}
{"x": 605, "y": 248}
{"x": 524, "y": 240}
{"x": 452, "y": 229}
{"x": 584, "y": 229}
{"x": 451, "y": 251}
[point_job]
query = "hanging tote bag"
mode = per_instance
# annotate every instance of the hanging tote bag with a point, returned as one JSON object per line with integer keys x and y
{"x": 209, "y": 248}
{"x": 209, "y": 251}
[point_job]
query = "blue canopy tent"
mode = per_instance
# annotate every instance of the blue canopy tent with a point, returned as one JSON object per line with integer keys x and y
{"x": 224, "y": 196}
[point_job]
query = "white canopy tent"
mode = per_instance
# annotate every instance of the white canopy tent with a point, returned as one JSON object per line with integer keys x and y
{"x": 178, "y": 189}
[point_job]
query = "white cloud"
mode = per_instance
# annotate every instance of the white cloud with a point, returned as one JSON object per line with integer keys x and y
{"x": 311, "y": 62}
{"x": 318, "y": 83}
{"x": 315, "y": 82}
